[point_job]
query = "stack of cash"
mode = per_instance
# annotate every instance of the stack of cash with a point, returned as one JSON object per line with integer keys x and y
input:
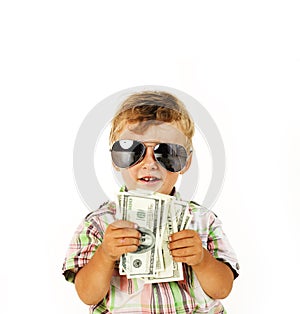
{"x": 157, "y": 216}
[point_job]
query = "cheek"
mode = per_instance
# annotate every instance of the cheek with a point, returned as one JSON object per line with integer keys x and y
{"x": 128, "y": 176}
{"x": 170, "y": 180}
{"x": 172, "y": 176}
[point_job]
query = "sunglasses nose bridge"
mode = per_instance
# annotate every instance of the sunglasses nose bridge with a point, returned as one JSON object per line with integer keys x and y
{"x": 149, "y": 156}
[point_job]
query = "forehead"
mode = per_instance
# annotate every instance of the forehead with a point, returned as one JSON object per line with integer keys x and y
{"x": 161, "y": 133}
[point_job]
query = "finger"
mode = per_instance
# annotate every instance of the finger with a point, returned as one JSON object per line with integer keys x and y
{"x": 118, "y": 224}
{"x": 126, "y": 233}
{"x": 118, "y": 251}
{"x": 191, "y": 255}
{"x": 128, "y": 242}
{"x": 129, "y": 249}
{"x": 182, "y": 235}
{"x": 182, "y": 243}
{"x": 185, "y": 235}
{"x": 185, "y": 251}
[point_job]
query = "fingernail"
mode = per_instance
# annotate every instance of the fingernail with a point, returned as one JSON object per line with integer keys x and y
{"x": 170, "y": 239}
{"x": 135, "y": 226}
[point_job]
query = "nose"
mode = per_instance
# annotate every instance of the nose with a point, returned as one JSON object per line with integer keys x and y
{"x": 149, "y": 161}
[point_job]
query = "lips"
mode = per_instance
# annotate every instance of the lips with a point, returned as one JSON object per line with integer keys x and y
{"x": 149, "y": 179}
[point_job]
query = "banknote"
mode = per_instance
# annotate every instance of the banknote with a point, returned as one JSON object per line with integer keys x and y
{"x": 157, "y": 216}
{"x": 143, "y": 211}
{"x": 172, "y": 270}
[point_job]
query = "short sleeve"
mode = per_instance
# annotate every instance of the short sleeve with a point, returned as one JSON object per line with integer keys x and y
{"x": 81, "y": 249}
{"x": 218, "y": 245}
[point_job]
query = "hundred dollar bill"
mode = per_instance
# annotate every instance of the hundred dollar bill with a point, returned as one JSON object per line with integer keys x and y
{"x": 186, "y": 220}
{"x": 180, "y": 211}
{"x": 143, "y": 211}
{"x": 158, "y": 216}
{"x": 165, "y": 203}
{"x": 172, "y": 270}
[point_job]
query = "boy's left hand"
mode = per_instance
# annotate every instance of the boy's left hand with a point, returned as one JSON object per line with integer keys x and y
{"x": 186, "y": 246}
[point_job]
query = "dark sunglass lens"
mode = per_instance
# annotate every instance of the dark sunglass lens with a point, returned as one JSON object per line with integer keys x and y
{"x": 171, "y": 156}
{"x": 126, "y": 153}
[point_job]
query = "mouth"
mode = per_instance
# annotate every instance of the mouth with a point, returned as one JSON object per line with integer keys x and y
{"x": 149, "y": 179}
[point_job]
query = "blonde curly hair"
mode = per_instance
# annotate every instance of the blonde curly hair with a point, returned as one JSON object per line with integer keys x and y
{"x": 152, "y": 107}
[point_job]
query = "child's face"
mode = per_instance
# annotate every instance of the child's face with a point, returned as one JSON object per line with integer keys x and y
{"x": 148, "y": 173}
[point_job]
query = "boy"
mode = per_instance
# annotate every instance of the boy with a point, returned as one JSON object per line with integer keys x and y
{"x": 151, "y": 145}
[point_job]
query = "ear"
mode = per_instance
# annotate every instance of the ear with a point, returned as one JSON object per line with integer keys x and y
{"x": 188, "y": 164}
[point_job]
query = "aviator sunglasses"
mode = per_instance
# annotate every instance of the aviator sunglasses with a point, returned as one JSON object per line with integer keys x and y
{"x": 127, "y": 153}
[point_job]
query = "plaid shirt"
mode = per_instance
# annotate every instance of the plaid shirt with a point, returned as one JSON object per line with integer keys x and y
{"x": 133, "y": 295}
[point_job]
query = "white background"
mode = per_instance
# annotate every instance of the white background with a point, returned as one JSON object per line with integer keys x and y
{"x": 240, "y": 60}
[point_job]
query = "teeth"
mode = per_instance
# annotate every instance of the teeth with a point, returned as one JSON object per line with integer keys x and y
{"x": 149, "y": 179}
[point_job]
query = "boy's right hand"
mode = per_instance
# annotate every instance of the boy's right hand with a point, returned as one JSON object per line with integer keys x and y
{"x": 120, "y": 237}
